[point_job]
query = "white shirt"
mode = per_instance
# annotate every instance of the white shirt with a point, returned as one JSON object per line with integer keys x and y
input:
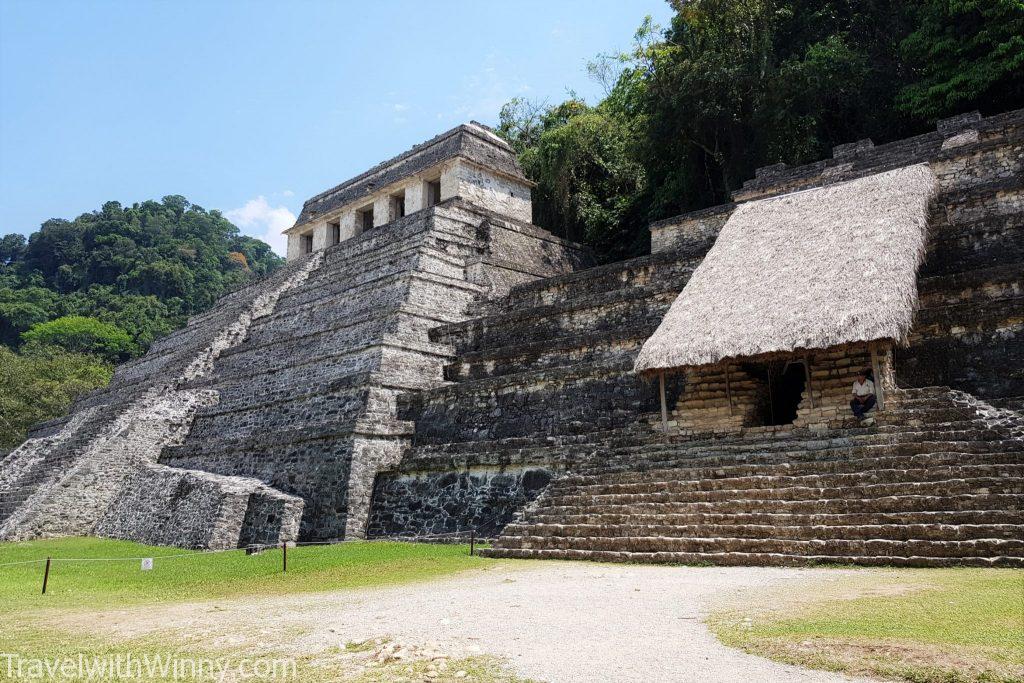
{"x": 868, "y": 388}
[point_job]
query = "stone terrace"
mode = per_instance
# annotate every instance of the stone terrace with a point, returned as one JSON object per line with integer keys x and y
{"x": 936, "y": 484}
{"x": 544, "y": 411}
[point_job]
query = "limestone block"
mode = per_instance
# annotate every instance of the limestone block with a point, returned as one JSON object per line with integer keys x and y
{"x": 415, "y": 195}
{"x": 381, "y": 209}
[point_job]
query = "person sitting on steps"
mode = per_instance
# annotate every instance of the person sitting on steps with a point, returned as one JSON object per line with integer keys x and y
{"x": 863, "y": 395}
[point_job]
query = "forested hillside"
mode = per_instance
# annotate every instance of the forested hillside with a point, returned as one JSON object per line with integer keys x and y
{"x": 693, "y": 109}
{"x": 78, "y": 296}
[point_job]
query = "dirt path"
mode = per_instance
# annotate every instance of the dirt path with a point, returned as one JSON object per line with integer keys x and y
{"x": 552, "y": 621}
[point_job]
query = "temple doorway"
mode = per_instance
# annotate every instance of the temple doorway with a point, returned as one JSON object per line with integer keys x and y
{"x": 780, "y": 388}
{"x": 786, "y": 389}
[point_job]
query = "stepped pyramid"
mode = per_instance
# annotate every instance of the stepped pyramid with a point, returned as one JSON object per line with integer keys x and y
{"x": 268, "y": 417}
{"x": 431, "y": 363}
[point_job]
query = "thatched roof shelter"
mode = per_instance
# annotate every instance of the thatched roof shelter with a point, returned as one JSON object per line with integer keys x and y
{"x": 807, "y": 270}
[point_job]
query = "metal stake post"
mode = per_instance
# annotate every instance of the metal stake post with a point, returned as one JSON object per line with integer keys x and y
{"x": 472, "y": 541}
{"x": 664, "y": 405}
{"x": 46, "y": 575}
{"x": 879, "y": 394}
{"x": 728, "y": 388}
{"x": 807, "y": 374}
{"x": 284, "y": 556}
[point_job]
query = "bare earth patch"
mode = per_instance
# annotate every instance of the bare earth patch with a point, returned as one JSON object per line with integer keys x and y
{"x": 549, "y": 621}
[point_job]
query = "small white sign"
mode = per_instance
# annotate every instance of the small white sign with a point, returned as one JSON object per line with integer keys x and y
{"x": 147, "y": 564}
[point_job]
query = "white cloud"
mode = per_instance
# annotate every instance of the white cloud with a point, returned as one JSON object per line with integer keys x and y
{"x": 287, "y": 193}
{"x": 259, "y": 219}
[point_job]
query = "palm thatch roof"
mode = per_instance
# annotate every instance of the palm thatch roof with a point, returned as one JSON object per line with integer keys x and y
{"x": 806, "y": 270}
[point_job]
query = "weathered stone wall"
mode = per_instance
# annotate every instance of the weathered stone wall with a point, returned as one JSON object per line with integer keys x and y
{"x": 168, "y": 506}
{"x": 503, "y": 195}
{"x": 694, "y": 231}
{"x": 436, "y": 503}
{"x": 826, "y": 403}
{"x": 722, "y": 398}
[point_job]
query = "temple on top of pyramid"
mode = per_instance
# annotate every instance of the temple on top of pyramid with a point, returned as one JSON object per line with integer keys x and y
{"x": 469, "y": 161}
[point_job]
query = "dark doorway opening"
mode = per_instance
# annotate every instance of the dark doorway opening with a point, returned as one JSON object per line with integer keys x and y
{"x": 780, "y": 388}
{"x": 788, "y": 381}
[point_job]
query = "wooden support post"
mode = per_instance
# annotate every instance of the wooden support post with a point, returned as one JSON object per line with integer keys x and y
{"x": 46, "y": 575}
{"x": 728, "y": 388}
{"x": 771, "y": 398}
{"x": 877, "y": 368}
{"x": 664, "y": 405}
{"x": 807, "y": 375}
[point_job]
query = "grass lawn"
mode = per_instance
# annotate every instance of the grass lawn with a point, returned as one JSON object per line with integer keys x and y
{"x": 925, "y": 626}
{"x": 31, "y": 624}
{"x": 196, "y": 576}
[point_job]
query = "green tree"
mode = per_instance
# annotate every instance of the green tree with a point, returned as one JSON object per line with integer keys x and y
{"x": 21, "y": 307}
{"x": 143, "y": 268}
{"x": 965, "y": 54}
{"x": 40, "y": 384}
{"x": 79, "y": 334}
{"x": 588, "y": 184}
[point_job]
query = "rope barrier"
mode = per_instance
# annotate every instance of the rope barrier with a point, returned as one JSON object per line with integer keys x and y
{"x": 454, "y": 535}
{"x": 195, "y": 553}
{"x": 11, "y": 564}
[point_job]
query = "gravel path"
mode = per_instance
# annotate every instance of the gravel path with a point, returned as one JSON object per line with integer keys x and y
{"x": 559, "y": 622}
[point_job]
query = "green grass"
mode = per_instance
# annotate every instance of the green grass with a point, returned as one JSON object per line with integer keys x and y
{"x": 925, "y": 626}
{"x": 197, "y": 575}
{"x": 31, "y": 623}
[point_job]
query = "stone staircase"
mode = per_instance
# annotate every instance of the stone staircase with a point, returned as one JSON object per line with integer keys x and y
{"x": 308, "y": 399}
{"x": 540, "y": 378}
{"x": 936, "y": 483}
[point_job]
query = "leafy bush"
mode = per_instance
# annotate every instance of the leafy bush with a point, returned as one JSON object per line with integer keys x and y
{"x": 40, "y": 384}
{"x": 79, "y": 334}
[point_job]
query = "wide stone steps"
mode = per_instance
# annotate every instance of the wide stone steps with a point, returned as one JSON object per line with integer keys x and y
{"x": 744, "y": 559}
{"x": 722, "y": 520}
{"x": 923, "y": 490}
{"x": 836, "y": 549}
{"x": 795, "y": 492}
{"x": 898, "y": 531}
{"x": 630, "y": 461}
{"x": 595, "y": 454}
{"x": 907, "y": 502}
{"x": 664, "y": 483}
{"x": 920, "y": 460}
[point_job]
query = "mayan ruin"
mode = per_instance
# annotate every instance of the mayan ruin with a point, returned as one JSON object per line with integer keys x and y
{"x": 430, "y": 362}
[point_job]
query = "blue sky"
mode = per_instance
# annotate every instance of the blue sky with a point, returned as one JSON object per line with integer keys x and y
{"x": 251, "y": 107}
